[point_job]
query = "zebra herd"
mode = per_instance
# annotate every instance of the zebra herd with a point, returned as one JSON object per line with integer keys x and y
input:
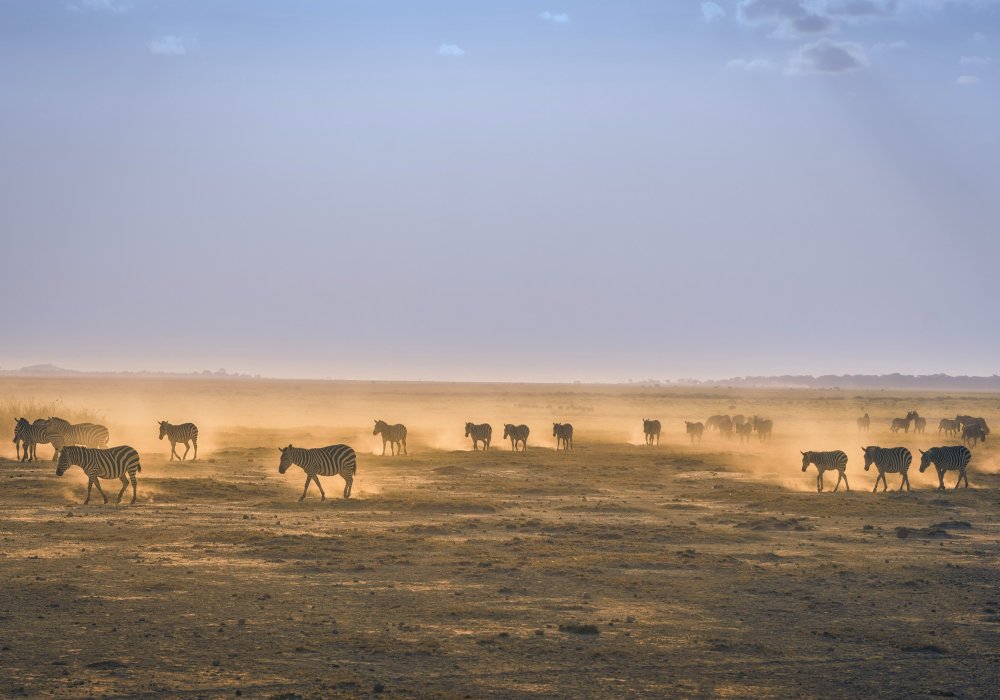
{"x": 892, "y": 460}
{"x": 728, "y": 426}
{"x": 971, "y": 429}
{"x": 56, "y": 432}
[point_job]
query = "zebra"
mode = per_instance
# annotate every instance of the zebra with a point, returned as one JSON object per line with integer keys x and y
{"x": 325, "y": 461}
{"x": 919, "y": 423}
{"x": 972, "y": 433}
{"x": 950, "y": 427}
{"x": 725, "y": 426}
{"x": 482, "y": 432}
{"x": 652, "y": 430}
{"x": 694, "y": 430}
{"x": 827, "y": 461}
{"x": 744, "y": 431}
{"x": 83, "y": 434}
{"x": 864, "y": 423}
{"x": 763, "y": 426}
{"x": 563, "y": 433}
{"x": 185, "y": 432}
{"x": 946, "y": 459}
{"x": 395, "y": 435}
{"x": 30, "y": 435}
{"x": 901, "y": 424}
{"x": 713, "y": 422}
{"x": 120, "y": 462}
{"x": 738, "y": 420}
{"x": 516, "y": 433}
{"x": 891, "y": 460}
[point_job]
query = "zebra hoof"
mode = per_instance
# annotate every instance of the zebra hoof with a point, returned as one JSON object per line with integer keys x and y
{"x": 301, "y": 498}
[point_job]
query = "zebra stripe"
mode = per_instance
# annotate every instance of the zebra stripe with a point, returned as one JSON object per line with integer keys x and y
{"x": 120, "y": 462}
{"x": 827, "y": 461}
{"x": 479, "y": 433}
{"x": 651, "y": 428}
{"x": 891, "y": 460}
{"x": 694, "y": 430}
{"x": 864, "y": 423}
{"x": 321, "y": 461}
{"x": 516, "y": 433}
{"x": 395, "y": 435}
{"x": 185, "y": 432}
{"x": 973, "y": 433}
{"x": 946, "y": 459}
{"x": 919, "y": 423}
{"x": 83, "y": 434}
{"x": 563, "y": 433}
{"x": 900, "y": 424}
{"x": 949, "y": 427}
{"x": 30, "y": 435}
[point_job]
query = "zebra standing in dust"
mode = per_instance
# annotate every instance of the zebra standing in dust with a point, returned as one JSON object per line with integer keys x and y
{"x": 120, "y": 462}
{"x": 483, "y": 432}
{"x": 725, "y": 426}
{"x": 185, "y": 432}
{"x": 651, "y": 428}
{"x": 950, "y": 427}
{"x": 864, "y": 423}
{"x": 30, "y": 435}
{"x": 973, "y": 433}
{"x": 763, "y": 426}
{"x": 827, "y": 461}
{"x": 517, "y": 434}
{"x": 563, "y": 433}
{"x": 947, "y": 459}
{"x": 902, "y": 423}
{"x": 891, "y": 460}
{"x": 919, "y": 422}
{"x": 744, "y": 431}
{"x": 321, "y": 461}
{"x": 395, "y": 435}
{"x": 713, "y": 421}
{"x": 82, "y": 434}
{"x": 694, "y": 430}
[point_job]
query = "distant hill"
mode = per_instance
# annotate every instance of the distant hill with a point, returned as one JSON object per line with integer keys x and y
{"x": 54, "y": 371}
{"x": 918, "y": 382}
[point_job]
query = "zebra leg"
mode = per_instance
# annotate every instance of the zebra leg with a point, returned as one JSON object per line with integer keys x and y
{"x": 905, "y": 481}
{"x": 308, "y": 479}
{"x": 383, "y": 446}
{"x": 941, "y": 480}
{"x": 819, "y": 482}
{"x": 844, "y": 474}
{"x": 195, "y": 442}
{"x": 97, "y": 483}
{"x": 124, "y": 486}
{"x": 348, "y": 483}
{"x": 131, "y": 477}
{"x": 404, "y": 447}
{"x": 173, "y": 450}
{"x": 187, "y": 448}
{"x": 322, "y": 493}
{"x": 90, "y": 487}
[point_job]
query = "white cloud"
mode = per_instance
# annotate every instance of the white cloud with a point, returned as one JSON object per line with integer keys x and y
{"x": 975, "y": 60}
{"x": 555, "y": 17}
{"x": 752, "y": 64}
{"x": 451, "y": 50}
{"x": 711, "y": 12}
{"x": 170, "y": 45}
{"x": 790, "y": 17}
{"x": 966, "y": 80}
{"x": 109, "y": 6}
{"x": 826, "y": 56}
{"x": 889, "y": 45}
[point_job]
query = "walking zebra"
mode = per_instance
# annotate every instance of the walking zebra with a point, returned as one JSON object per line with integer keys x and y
{"x": 29, "y": 435}
{"x": 946, "y": 459}
{"x": 744, "y": 431}
{"x": 694, "y": 430}
{"x": 827, "y": 461}
{"x": 652, "y": 430}
{"x": 713, "y": 422}
{"x": 120, "y": 462}
{"x": 185, "y": 432}
{"x": 321, "y": 461}
{"x": 891, "y": 460}
{"x": 972, "y": 433}
{"x": 517, "y": 434}
{"x": 900, "y": 424}
{"x": 864, "y": 423}
{"x": 950, "y": 427}
{"x": 483, "y": 432}
{"x": 563, "y": 433}
{"x": 395, "y": 435}
{"x": 82, "y": 434}
{"x": 763, "y": 426}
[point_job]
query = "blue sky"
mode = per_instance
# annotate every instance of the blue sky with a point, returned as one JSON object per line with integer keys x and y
{"x": 501, "y": 190}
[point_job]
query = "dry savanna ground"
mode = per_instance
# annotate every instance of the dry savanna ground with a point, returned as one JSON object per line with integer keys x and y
{"x": 614, "y": 570}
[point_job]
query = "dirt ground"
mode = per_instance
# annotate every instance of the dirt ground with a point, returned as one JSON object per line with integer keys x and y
{"x": 614, "y": 570}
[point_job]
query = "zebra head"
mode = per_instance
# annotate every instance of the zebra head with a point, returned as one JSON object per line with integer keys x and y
{"x": 380, "y": 425}
{"x": 925, "y": 459}
{"x": 286, "y": 458}
{"x": 869, "y": 456}
{"x": 807, "y": 458}
{"x": 468, "y": 430}
{"x": 555, "y": 428}
{"x": 163, "y": 429}
{"x": 507, "y": 427}
{"x": 67, "y": 458}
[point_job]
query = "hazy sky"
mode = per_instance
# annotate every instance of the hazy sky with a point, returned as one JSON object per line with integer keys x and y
{"x": 501, "y": 189}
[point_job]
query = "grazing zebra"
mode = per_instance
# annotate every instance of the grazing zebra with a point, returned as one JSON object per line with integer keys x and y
{"x": 517, "y": 434}
{"x": 120, "y": 462}
{"x": 694, "y": 430}
{"x": 864, "y": 423}
{"x": 185, "y": 432}
{"x": 82, "y": 434}
{"x": 563, "y": 433}
{"x": 395, "y": 435}
{"x": 891, "y": 460}
{"x": 972, "y": 433}
{"x": 321, "y": 461}
{"x": 744, "y": 431}
{"x": 950, "y": 427}
{"x": 713, "y": 422}
{"x": 947, "y": 459}
{"x": 763, "y": 426}
{"x": 483, "y": 432}
{"x": 652, "y": 430}
{"x": 827, "y": 461}
{"x": 30, "y": 435}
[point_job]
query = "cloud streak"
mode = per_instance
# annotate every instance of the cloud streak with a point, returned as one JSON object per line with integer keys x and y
{"x": 555, "y": 17}
{"x": 170, "y": 45}
{"x": 829, "y": 57}
{"x": 450, "y": 50}
{"x": 712, "y": 12}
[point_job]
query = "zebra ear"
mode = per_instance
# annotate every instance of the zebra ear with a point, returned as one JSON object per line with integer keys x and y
{"x": 921, "y": 451}
{"x": 803, "y": 453}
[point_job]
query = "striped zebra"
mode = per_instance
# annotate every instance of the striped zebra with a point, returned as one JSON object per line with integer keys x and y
{"x": 563, "y": 433}
{"x": 516, "y": 433}
{"x": 946, "y": 459}
{"x": 395, "y": 435}
{"x": 825, "y": 462}
{"x": 694, "y": 430}
{"x": 483, "y": 432}
{"x": 949, "y": 427}
{"x": 891, "y": 460}
{"x": 864, "y": 423}
{"x": 30, "y": 435}
{"x": 120, "y": 462}
{"x": 900, "y": 424}
{"x": 713, "y": 422}
{"x": 725, "y": 426}
{"x": 973, "y": 433}
{"x": 919, "y": 422}
{"x": 744, "y": 431}
{"x": 185, "y": 432}
{"x": 763, "y": 426}
{"x": 321, "y": 461}
{"x": 651, "y": 428}
{"x": 82, "y": 434}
